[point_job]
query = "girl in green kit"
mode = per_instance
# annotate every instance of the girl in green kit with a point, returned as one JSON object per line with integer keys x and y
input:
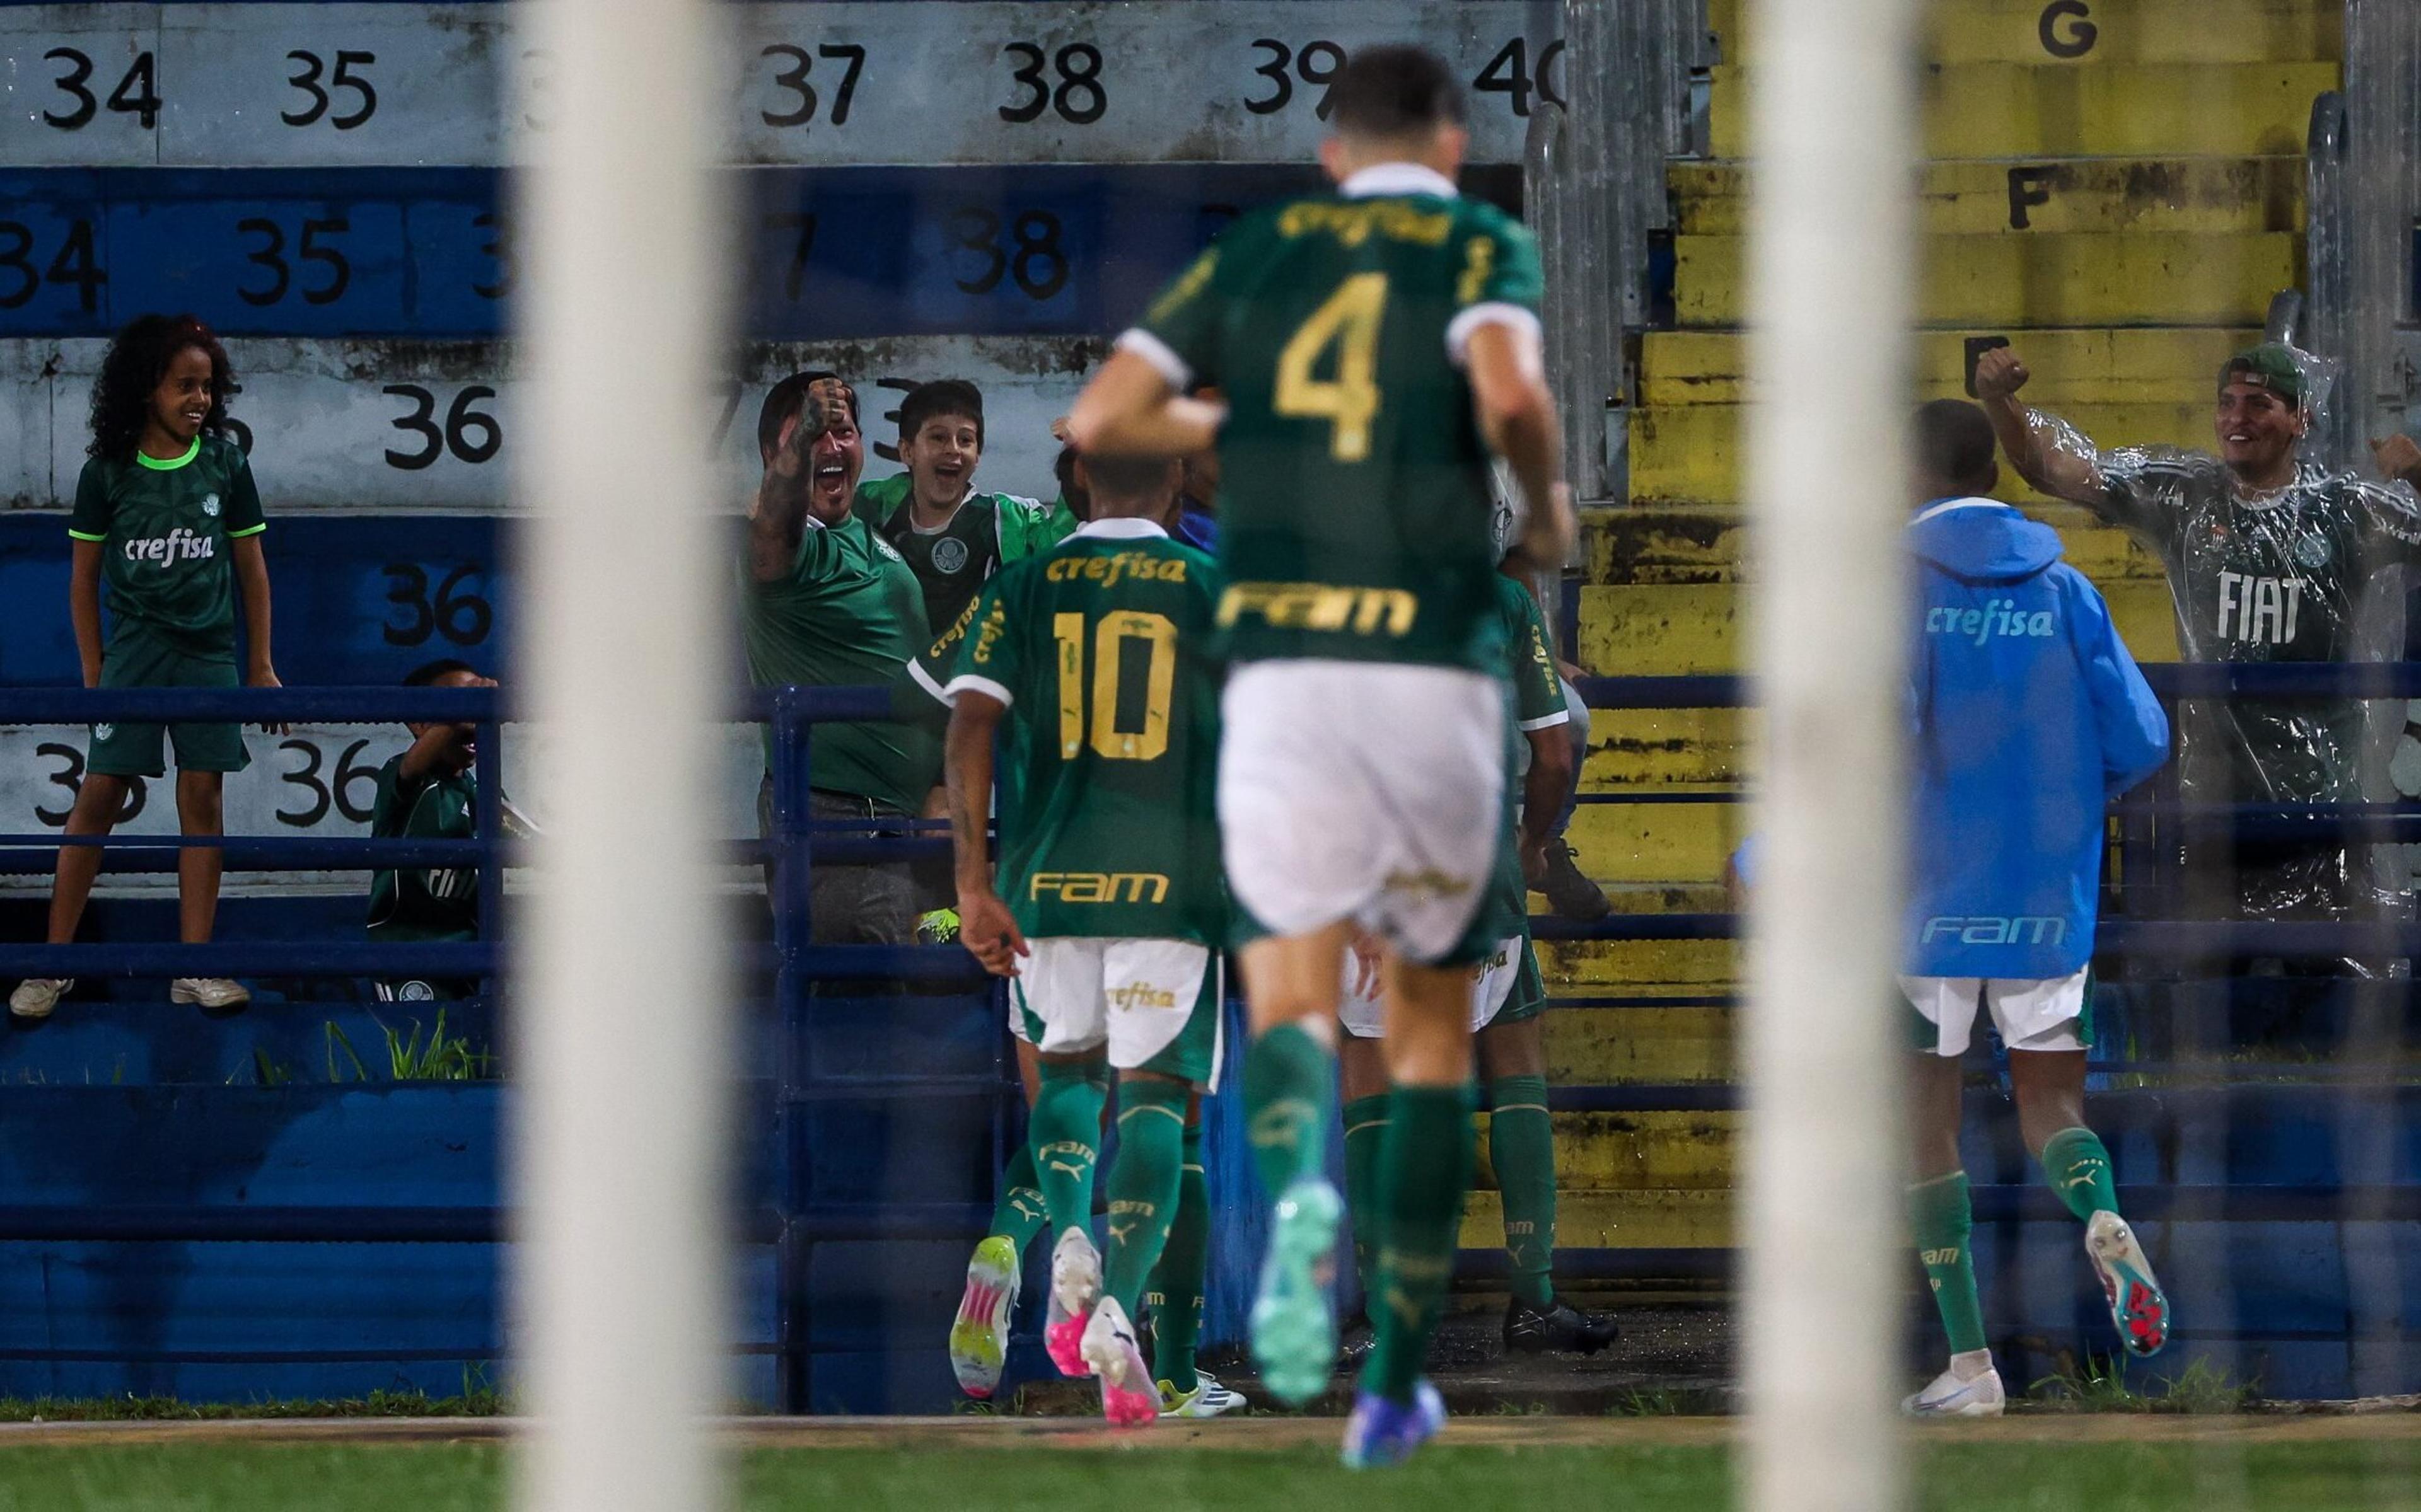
{"x": 168, "y": 516}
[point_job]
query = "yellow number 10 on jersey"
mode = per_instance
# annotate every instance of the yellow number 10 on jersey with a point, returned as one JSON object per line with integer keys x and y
{"x": 1349, "y": 322}
{"x": 1109, "y": 639}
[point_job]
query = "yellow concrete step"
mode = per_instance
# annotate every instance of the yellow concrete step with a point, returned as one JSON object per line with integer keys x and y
{"x": 2082, "y": 34}
{"x": 1657, "y": 842}
{"x": 1676, "y": 1220}
{"x": 1655, "y": 968}
{"x": 2027, "y": 280}
{"x": 1656, "y": 629}
{"x": 1636, "y": 1152}
{"x": 2207, "y": 197}
{"x": 2137, "y": 110}
{"x": 1598, "y": 1047}
{"x": 1681, "y": 543}
{"x": 2177, "y": 365}
{"x": 1694, "y": 453}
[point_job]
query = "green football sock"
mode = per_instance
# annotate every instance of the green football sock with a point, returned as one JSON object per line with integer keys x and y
{"x": 1144, "y": 1183}
{"x": 1020, "y": 1214}
{"x": 1365, "y": 1131}
{"x": 1521, "y": 1147}
{"x": 1176, "y": 1288}
{"x": 1288, "y": 1078}
{"x": 1423, "y": 1170}
{"x": 2078, "y": 1168}
{"x": 1066, "y": 1133}
{"x": 1941, "y": 1219}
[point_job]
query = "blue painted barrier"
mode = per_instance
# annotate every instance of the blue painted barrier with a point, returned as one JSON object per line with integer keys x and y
{"x": 869, "y": 1211}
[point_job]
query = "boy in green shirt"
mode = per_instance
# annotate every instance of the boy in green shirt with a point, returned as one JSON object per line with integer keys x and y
{"x": 167, "y": 518}
{"x": 429, "y": 793}
{"x": 953, "y": 538}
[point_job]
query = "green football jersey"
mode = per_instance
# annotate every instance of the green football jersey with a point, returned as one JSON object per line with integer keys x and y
{"x": 165, "y": 529}
{"x": 1354, "y": 500}
{"x": 1537, "y": 703}
{"x": 424, "y": 903}
{"x": 1108, "y": 758}
{"x": 849, "y": 614}
{"x": 987, "y": 533}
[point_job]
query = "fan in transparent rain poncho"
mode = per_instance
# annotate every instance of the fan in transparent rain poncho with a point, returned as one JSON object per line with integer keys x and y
{"x": 2268, "y": 554}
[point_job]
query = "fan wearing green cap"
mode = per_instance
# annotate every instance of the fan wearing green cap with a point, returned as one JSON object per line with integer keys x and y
{"x": 2269, "y": 554}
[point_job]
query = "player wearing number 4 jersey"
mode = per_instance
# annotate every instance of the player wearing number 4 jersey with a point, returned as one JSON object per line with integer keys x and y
{"x": 1090, "y": 663}
{"x": 1374, "y": 346}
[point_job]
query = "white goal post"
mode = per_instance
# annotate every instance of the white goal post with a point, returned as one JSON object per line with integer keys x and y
{"x": 1833, "y": 278}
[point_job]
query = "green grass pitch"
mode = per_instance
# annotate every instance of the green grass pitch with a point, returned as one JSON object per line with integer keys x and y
{"x": 2205, "y": 1476}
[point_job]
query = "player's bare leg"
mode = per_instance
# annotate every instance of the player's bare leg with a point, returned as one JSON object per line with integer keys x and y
{"x": 1292, "y": 988}
{"x": 2049, "y": 1090}
{"x": 95, "y": 812}
{"x": 1940, "y": 1217}
{"x": 200, "y": 802}
{"x": 1424, "y": 1168}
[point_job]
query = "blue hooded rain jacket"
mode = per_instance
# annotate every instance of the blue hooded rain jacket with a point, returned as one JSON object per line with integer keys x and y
{"x": 2029, "y": 716}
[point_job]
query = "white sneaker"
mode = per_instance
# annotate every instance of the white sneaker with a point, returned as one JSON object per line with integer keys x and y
{"x": 1128, "y": 1396}
{"x": 1208, "y": 1399}
{"x": 210, "y": 992}
{"x": 36, "y": 996}
{"x": 1075, "y": 1288}
{"x": 1949, "y": 1397}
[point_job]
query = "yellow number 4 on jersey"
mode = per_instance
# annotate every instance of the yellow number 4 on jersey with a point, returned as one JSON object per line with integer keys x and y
{"x": 1349, "y": 322}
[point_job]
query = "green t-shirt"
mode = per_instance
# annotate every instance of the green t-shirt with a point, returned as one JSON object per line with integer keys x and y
{"x": 848, "y": 614}
{"x": 1108, "y": 758}
{"x": 1537, "y": 703}
{"x": 1354, "y": 501}
{"x": 425, "y": 903}
{"x": 987, "y": 533}
{"x": 164, "y": 529}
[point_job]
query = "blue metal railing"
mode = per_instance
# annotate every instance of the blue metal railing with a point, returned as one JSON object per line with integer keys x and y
{"x": 797, "y": 1220}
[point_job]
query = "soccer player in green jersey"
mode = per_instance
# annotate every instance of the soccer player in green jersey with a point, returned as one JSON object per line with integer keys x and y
{"x": 1374, "y": 347}
{"x": 954, "y": 538}
{"x": 167, "y": 518}
{"x": 1509, "y": 1002}
{"x": 428, "y": 791}
{"x": 1091, "y": 665}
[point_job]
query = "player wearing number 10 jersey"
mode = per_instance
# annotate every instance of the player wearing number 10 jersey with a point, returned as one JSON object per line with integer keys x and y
{"x": 1091, "y": 664}
{"x": 1372, "y": 346}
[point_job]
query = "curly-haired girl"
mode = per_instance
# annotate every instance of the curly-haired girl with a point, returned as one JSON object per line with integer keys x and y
{"x": 166, "y": 515}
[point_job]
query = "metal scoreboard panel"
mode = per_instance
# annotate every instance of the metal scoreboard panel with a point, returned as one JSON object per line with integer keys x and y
{"x": 393, "y": 426}
{"x": 830, "y": 85}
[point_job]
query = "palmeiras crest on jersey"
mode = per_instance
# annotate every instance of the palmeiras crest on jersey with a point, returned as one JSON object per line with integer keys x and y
{"x": 949, "y": 554}
{"x": 211, "y": 505}
{"x": 2312, "y": 550}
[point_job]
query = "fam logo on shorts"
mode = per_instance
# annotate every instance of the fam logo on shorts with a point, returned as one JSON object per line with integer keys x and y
{"x": 949, "y": 554}
{"x": 211, "y": 505}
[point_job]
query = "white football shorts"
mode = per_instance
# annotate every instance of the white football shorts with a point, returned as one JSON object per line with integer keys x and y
{"x": 2044, "y": 1014}
{"x": 1154, "y": 1003}
{"x": 1492, "y": 988}
{"x": 1365, "y": 790}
